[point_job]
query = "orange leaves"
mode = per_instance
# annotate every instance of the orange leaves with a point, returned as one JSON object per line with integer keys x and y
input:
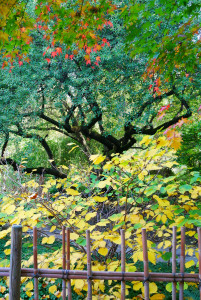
{"x": 59, "y": 50}
{"x": 58, "y": 24}
{"x": 98, "y": 58}
{"x": 173, "y": 135}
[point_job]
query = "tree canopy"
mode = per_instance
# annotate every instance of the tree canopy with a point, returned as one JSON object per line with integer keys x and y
{"x": 96, "y": 71}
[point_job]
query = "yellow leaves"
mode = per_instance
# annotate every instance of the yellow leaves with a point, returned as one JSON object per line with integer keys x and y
{"x": 135, "y": 219}
{"x": 103, "y": 222}
{"x": 157, "y": 297}
{"x": 142, "y": 174}
{"x": 151, "y": 153}
{"x": 90, "y": 216}
{"x": 103, "y": 251}
{"x": 2, "y": 289}
{"x": 72, "y": 192}
{"x": 79, "y": 284}
{"x": 29, "y": 286}
{"x": 7, "y": 251}
{"x": 189, "y": 264}
{"x": 162, "y": 142}
{"x": 48, "y": 240}
{"x": 167, "y": 244}
{"x": 52, "y": 228}
{"x": 102, "y": 184}
{"x": 9, "y": 209}
{"x": 97, "y": 159}
{"x": 161, "y": 202}
{"x": 4, "y": 233}
{"x": 164, "y": 219}
{"x": 152, "y": 287}
{"x": 113, "y": 266}
{"x": 137, "y": 285}
{"x": 100, "y": 199}
{"x": 74, "y": 236}
{"x": 152, "y": 257}
{"x": 146, "y": 140}
{"x": 116, "y": 240}
{"x": 138, "y": 256}
{"x": 58, "y": 294}
{"x": 170, "y": 164}
{"x": 160, "y": 245}
{"x": 52, "y": 289}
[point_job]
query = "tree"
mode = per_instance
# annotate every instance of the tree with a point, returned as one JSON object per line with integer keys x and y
{"x": 99, "y": 93}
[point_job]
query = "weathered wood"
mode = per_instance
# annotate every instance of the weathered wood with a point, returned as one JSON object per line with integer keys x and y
{"x": 68, "y": 262}
{"x": 89, "y": 273}
{"x": 123, "y": 266}
{"x": 35, "y": 257}
{"x": 146, "y": 264}
{"x": 15, "y": 262}
{"x": 182, "y": 264}
{"x": 199, "y": 257}
{"x": 174, "y": 263}
{"x": 64, "y": 261}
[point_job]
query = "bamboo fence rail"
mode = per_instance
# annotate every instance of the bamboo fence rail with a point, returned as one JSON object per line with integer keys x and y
{"x": 66, "y": 274}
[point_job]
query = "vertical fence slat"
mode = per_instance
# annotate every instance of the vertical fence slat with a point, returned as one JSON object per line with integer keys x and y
{"x": 89, "y": 272}
{"x": 68, "y": 261}
{"x": 15, "y": 262}
{"x": 64, "y": 261}
{"x": 123, "y": 261}
{"x": 182, "y": 263}
{"x": 199, "y": 253}
{"x": 174, "y": 262}
{"x": 35, "y": 258}
{"x": 146, "y": 264}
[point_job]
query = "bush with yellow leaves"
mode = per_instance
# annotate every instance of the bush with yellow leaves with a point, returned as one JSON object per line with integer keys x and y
{"x": 130, "y": 192}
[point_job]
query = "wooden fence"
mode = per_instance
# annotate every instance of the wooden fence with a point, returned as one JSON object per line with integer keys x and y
{"x": 15, "y": 272}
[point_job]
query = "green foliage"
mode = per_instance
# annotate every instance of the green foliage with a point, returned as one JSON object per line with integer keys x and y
{"x": 189, "y": 154}
{"x": 105, "y": 106}
{"x": 166, "y": 31}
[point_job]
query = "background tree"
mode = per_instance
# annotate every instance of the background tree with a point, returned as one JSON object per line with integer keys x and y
{"x": 95, "y": 93}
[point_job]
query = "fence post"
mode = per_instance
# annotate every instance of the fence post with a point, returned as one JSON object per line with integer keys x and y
{"x": 15, "y": 262}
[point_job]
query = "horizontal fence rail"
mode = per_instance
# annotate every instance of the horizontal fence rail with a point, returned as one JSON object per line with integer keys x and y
{"x": 66, "y": 274}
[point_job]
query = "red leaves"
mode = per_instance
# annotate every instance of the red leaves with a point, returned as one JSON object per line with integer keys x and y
{"x": 53, "y": 54}
{"x": 20, "y": 63}
{"x": 161, "y": 112}
{"x": 98, "y": 58}
{"x": 48, "y": 8}
{"x": 165, "y": 107}
{"x": 59, "y": 50}
{"x": 109, "y": 23}
{"x": 33, "y": 196}
{"x": 105, "y": 41}
{"x": 48, "y": 60}
{"x": 88, "y": 50}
